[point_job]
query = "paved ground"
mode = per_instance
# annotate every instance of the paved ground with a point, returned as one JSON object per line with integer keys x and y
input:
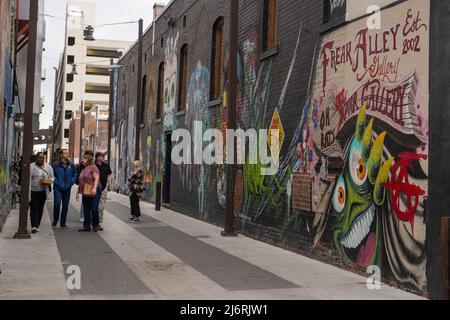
{"x": 167, "y": 256}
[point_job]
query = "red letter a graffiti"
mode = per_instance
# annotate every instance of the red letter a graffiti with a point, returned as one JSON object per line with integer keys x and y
{"x": 400, "y": 188}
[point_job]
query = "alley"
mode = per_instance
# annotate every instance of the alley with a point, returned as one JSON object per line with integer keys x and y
{"x": 167, "y": 256}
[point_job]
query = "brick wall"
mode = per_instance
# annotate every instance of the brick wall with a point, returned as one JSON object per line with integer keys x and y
{"x": 292, "y": 209}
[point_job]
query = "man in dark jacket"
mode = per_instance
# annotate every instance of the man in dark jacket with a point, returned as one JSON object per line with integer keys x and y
{"x": 65, "y": 177}
{"x": 105, "y": 179}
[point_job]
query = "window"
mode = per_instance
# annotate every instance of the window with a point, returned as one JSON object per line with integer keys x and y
{"x": 97, "y": 71}
{"x": 96, "y": 88}
{"x": 216, "y": 59}
{"x": 184, "y": 21}
{"x": 70, "y": 59}
{"x": 182, "y": 85}
{"x": 69, "y": 96}
{"x": 160, "y": 101}
{"x": 66, "y": 133}
{"x": 133, "y": 67}
{"x": 103, "y": 53}
{"x": 145, "y": 57}
{"x": 69, "y": 77}
{"x": 162, "y": 42}
{"x": 270, "y": 25}
{"x": 144, "y": 99}
{"x": 68, "y": 115}
{"x": 71, "y": 41}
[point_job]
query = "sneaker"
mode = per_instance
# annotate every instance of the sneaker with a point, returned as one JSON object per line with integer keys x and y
{"x": 54, "y": 224}
{"x": 33, "y": 231}
{"x": 100, "y": 228}
{"x": 37, "y": 230}
{"x": 131, "y": 219}
{"x": 137, "y": 220}
{"x": 64, "y": 227}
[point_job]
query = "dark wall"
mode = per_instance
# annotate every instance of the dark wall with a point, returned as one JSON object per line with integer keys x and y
{"x": 439, "y": 201}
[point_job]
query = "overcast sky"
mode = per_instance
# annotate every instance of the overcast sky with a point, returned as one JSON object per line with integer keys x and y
{"x": 107, "y": 11}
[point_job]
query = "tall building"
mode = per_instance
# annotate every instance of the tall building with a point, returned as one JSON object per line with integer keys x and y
{"x": 84, "y": 78}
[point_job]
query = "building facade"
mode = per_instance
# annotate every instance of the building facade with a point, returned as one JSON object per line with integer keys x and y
{"x": 89, "y": 87}
{"x": 348, "y": 85}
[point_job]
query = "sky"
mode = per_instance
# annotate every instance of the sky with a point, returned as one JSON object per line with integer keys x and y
{"x": 107, "y": 11}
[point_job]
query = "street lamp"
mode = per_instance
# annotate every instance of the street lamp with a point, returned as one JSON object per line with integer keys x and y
{"x": 88, "y": 33}
{"x": 89, "y": 36}
{"x": 74, "y": 69}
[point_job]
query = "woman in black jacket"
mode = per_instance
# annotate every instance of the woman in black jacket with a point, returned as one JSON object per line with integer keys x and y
{"x": 135, "y": 186}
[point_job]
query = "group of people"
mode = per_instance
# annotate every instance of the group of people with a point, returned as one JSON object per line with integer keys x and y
{"x": 92, "y": 176}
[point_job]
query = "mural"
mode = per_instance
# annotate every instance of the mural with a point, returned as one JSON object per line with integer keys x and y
{"x": 170, "y": 83}
{"x": 353, "y": 179}
{"x": 366, "y": 140}
{"x": 6, "y": 123}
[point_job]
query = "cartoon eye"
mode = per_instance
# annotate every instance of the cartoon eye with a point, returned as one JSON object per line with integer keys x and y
{"x": 358, "y": 169}
{"x": 361, "y": 170}
{"x": 340, "y": 195}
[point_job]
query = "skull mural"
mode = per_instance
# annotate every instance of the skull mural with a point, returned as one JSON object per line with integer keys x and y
{"x": 170, "y": 83}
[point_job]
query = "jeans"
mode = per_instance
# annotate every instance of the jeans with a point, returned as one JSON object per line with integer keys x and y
{"x": 102, "y": 205}
{"x": 64, "y": 197}
{"x": 90, "y": 210}
{"x": 37, "y": 204}
{"x": 135, "y": 208}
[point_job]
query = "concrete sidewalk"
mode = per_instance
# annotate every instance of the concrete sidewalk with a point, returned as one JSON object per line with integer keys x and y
{"x": 166, "y": 256}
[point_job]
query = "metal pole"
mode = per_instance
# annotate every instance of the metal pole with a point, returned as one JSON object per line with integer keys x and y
{"x": 137, "y": 150}
{"x": 232, "y": 94}
{"x": 55, "y": 102}
{"x": 81, "y": 131}
{"x": 111, "y": 105}
{"x": 96, "y": 130}
{"x": 22, "y": 233}
{"x": 158, "y": 197}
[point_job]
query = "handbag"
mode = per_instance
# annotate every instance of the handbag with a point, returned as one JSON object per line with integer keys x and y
{"x": 88, "y": 190}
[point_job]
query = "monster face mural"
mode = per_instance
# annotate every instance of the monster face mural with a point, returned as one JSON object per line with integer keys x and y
{"x": 359, "y": 194}
{"x": 363, "y": 151}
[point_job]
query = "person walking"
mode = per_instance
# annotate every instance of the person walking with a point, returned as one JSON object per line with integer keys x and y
{"x": 135, "y": 183}
{"x": 65, "y": 177}
{"x": 41, "y": 180}
{"x": 91, "y": 190}
{"x": 105, "y": 178}
{"x": 80, "y": 168}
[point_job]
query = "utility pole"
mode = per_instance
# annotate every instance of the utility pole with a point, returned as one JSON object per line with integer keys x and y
{"x": 55, "y": 103}
{"x": 231, "y": 121}
{"x": 111, "y": 105}
{"x": 81, "y": 131}
{"x": 137, "y": 150}
{"x": 27, "y": 151}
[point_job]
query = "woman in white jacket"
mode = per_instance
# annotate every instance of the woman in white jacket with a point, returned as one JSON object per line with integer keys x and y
{"x": 41, "y": 179}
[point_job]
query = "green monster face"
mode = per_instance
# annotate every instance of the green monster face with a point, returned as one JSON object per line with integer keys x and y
{"x": 359, "y": 194}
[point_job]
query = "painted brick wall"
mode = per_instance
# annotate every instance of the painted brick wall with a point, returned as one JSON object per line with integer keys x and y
{"x": 293, "y": 209}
